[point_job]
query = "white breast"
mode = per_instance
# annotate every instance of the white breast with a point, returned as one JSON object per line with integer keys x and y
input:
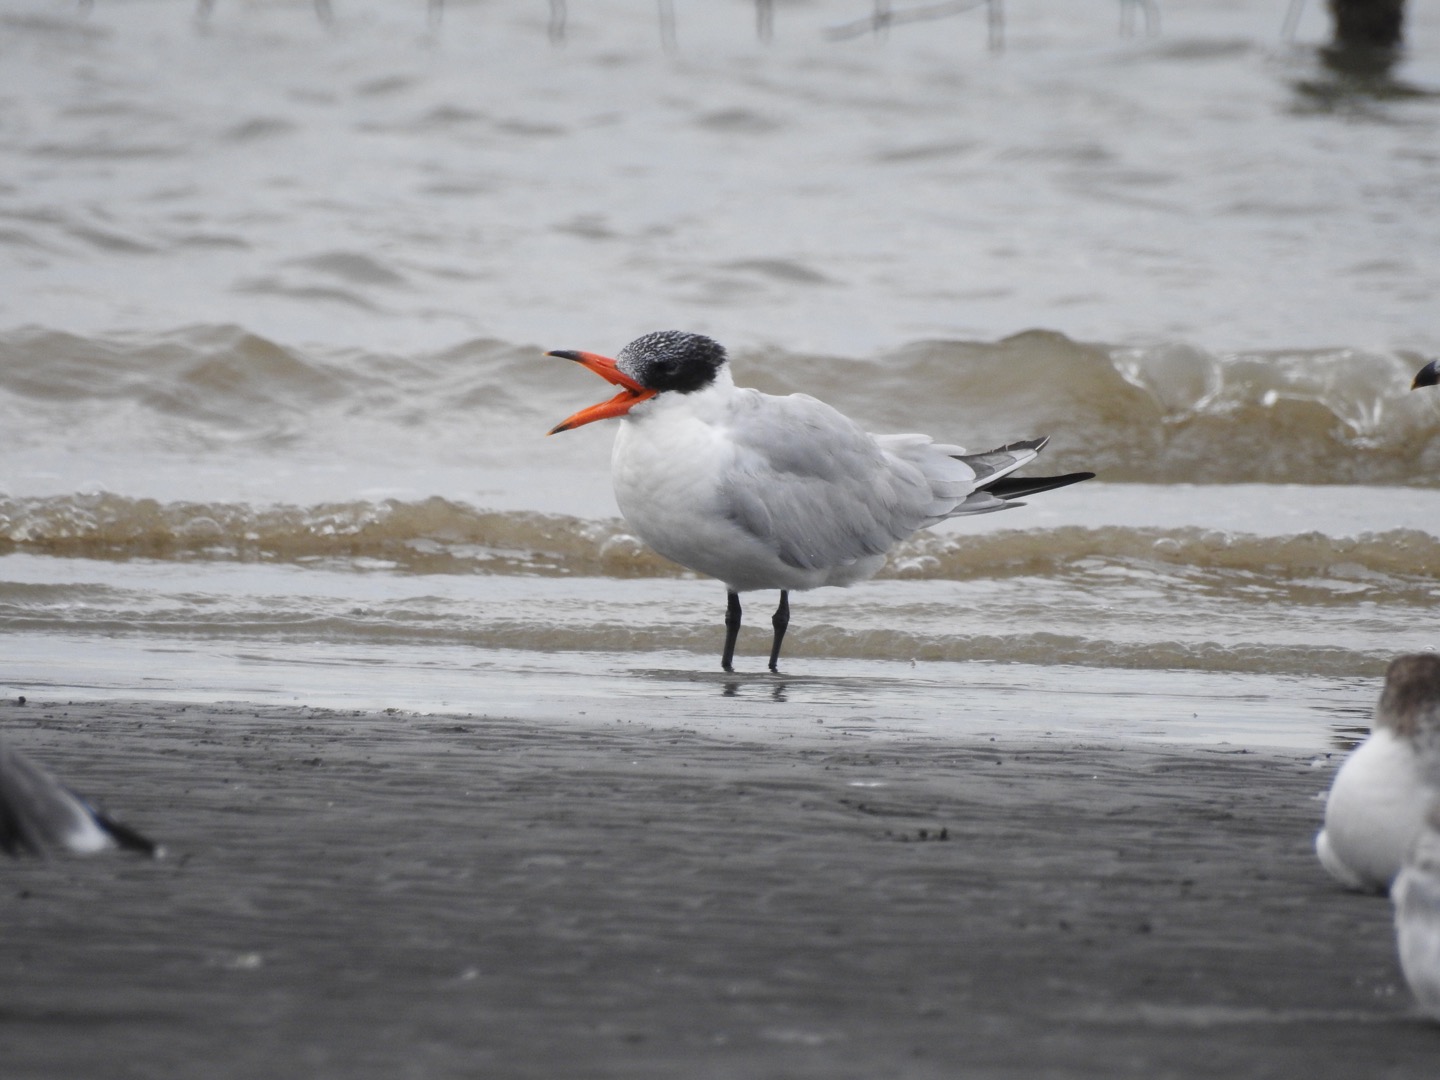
{"x": 1376, "y": 807}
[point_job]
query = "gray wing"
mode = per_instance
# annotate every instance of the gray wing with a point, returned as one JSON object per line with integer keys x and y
{"x": 38, "y": 814}
{"x": 820, "y": 491}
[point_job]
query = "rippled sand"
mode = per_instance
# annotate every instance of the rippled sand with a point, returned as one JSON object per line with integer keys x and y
{"x": 355, "y": 894}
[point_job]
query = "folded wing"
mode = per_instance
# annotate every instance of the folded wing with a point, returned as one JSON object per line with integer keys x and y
{"x": 822, "y": 492}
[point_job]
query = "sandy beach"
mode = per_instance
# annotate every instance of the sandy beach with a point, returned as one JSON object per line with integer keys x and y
{"x": 293, "y": 581}
{"x": 357, "y": 894}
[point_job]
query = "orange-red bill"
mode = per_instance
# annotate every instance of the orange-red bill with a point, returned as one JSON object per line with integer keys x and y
{"x": 630, "y": 396}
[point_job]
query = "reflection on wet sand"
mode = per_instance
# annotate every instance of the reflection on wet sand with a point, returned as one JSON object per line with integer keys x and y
{"x": 732, "y": 687}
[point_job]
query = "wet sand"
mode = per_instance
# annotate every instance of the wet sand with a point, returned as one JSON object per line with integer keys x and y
{"x": 357, "y": 894}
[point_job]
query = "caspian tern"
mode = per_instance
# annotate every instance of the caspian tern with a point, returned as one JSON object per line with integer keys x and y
{"x": 766, "y": 492}
{"x": 39, "y": 814}
{"x": 1379, "y": 798}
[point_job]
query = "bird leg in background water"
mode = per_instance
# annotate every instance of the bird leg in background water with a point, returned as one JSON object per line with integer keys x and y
{"x": 1127, "y": 17}
{"x": 764, "y": 19}
{"x": 669, "y": 41}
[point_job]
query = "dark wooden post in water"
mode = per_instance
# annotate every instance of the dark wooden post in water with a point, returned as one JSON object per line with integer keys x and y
{"x": 1368, "y": 24}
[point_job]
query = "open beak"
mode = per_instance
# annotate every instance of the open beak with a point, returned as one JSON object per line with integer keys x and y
{"x": 631, "y": 393}
{"x": 1429, "y": 375}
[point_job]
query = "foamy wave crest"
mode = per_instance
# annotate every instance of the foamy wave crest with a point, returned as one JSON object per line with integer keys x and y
{"x": 441, "y": 536}
{"x": 1397, "y": 553}
{"x": 431, "y": 536}
{"x": 1167, "y": 414}
{"x": 1086, "y": 651}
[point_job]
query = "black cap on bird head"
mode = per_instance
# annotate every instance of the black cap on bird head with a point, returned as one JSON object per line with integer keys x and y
{"x": 672, "y": 360}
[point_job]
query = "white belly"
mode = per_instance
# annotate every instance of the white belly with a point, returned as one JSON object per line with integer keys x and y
{"x": 1376, "y": 806}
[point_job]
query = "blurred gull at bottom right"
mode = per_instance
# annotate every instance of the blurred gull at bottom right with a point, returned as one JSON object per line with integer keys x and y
{"x": 1416, "y": 894}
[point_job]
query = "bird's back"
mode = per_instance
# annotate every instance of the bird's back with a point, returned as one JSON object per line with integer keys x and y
{"x": 780, "y": 492}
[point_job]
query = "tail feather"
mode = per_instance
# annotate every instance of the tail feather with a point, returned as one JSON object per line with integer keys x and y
{"x": 994, "y": 487}
{"x": 980, "y": 502}
{"x": 993, "y": 464}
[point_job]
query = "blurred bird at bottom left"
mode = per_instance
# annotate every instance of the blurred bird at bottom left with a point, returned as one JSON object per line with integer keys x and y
{"x": 40, "y": 816}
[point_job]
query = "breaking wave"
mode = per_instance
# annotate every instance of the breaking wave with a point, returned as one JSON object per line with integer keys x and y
{"x": 432, "y": 536}
{"x": 1166, "y": 414}
{"x": 442, "y": 536}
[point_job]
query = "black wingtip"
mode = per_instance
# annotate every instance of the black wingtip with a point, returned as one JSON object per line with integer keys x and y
{"x": 1017, "y": 487}
{"x": 1429, "y": 375}
{"x": 127, "y": 838}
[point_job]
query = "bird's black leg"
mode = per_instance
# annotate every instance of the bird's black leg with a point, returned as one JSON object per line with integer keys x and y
{"x": 732, "y": 629}
{"x": 780, "y": 620}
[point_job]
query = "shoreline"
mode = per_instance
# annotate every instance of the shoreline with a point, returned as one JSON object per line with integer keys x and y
{"x": 377, "y": 893}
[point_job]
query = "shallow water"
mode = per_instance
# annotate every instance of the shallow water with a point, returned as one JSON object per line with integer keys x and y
{"x": 383, "y": 184}
{"x": 273, "y": 400}
{"x": 940, "y": 702}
